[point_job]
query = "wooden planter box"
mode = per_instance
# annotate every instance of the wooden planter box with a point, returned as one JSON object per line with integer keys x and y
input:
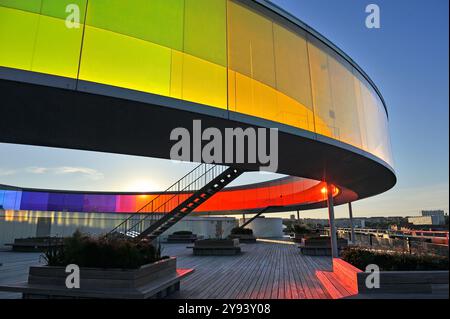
{"x": 154, "y": 280}
{"x": 297, "y": 238}
{"x": 321, "y": 246}
{"x": 216, "y": 247}
{"x": 181, "y": 238}
{"x": 346, "y": 281}
{"x": 407, "y": 282}
{"x": 243, "y": 238}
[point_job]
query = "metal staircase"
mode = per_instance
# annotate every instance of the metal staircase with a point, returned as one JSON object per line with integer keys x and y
{"x": 180, "y": 199}
{"x": 262, "y": 211}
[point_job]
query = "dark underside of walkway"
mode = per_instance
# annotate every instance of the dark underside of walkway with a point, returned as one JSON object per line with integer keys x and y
{"x": 262, "y": 271}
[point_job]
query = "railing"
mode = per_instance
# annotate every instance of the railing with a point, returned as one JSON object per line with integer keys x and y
{"x": 168, "y": 200}
{"x": 403, "y": 245}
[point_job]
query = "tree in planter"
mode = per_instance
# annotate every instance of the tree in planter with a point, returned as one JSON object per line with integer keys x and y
{"x": 301, "y": 231}
{"x": 102, "y": 252}
{"x": 393, "y": 261}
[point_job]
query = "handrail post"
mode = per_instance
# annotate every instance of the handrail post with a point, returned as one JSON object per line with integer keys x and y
{"x": 333, "y": 236}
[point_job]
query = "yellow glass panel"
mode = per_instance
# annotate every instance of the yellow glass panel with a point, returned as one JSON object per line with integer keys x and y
{"x": 124, "y": 61}
{"x": 250, "y": 44}
{"x": 254, "y": 98}
{"x": 231, "y": 90}
{"x": 269, "y": 76}
{"x": 360, "y": 109}
{"x": 176, "y": 76}
{"x": 324, "y": 112}
{"x": 57, "y": 49}
{"x": 293, "y": 113}
{"x": 17, "y": 36}
{"x": 292, "y": 67}
{"x": 202, "y": 81}
{"x": 344, "y": 101}
{"x": 293, "y": 78}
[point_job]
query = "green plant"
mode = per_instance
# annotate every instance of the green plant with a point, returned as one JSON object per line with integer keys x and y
{"x": 301, "y": 229}
{"x": 102, "y": 252}
{"x": 241, "y": 231}
{"x": 393, "y": 261}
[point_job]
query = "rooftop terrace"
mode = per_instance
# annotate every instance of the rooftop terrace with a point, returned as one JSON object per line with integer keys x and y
{"x": 265, "y": 270}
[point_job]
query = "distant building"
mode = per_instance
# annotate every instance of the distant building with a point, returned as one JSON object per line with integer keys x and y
{"x": 429, "y": 217}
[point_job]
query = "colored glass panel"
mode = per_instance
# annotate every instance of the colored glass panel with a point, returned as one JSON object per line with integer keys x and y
{"x": 34, "y": 201}
{"x": 13, "y": 199}
{"x": 251, "y": 62}
{"x": 99, "y": 203}
{"x": 335, "y": 101}
{"x": 205, "y": 30}
{"x": 17, "y": 34}
{"x": 169, "y": 48}
{"x": 37, "y": 37}
{"x": 124, "y": 61}
{"x": 27, "y": 5}
{"x": 156, "y": 21}
{"x": 292, "y": 78}
{"x": 375, "y": 136}
{"x": 222, "y": 53}
{"x": 269, "y": 71}
{"x": 292, "y": 191}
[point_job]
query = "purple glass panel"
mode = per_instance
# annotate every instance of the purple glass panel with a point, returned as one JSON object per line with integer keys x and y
{"x": 99, "y": 203}
{"x": 74, "y": 202}
{"x": 34, "y": 201}
{"x": 56, "y": 202}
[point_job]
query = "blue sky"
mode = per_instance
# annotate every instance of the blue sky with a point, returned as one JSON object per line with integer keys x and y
{"x": 408, "y": 59}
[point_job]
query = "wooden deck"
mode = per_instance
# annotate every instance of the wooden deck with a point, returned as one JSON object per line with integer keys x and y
{"x": 264, "y": 270}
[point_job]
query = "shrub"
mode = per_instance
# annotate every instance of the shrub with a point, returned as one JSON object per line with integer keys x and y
{"x": 241, "y": 231}
{"x": 393, "y": 261}
{"x": 102, "y": 252}
{"x": 301, "y": 229}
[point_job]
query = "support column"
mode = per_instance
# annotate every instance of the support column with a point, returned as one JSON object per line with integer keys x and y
{"x": 333, "y": 236}
{"x": 298, "y": 217}
{"x": 350, "y": 212}
{"x": 243, "y": 217}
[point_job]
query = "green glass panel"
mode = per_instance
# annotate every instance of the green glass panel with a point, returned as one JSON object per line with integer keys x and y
{"x": 57, "y": 8}
{"x": 205, "y": 30}
{"x": 25, "y": 5}
{"x": 157, "y": 21}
